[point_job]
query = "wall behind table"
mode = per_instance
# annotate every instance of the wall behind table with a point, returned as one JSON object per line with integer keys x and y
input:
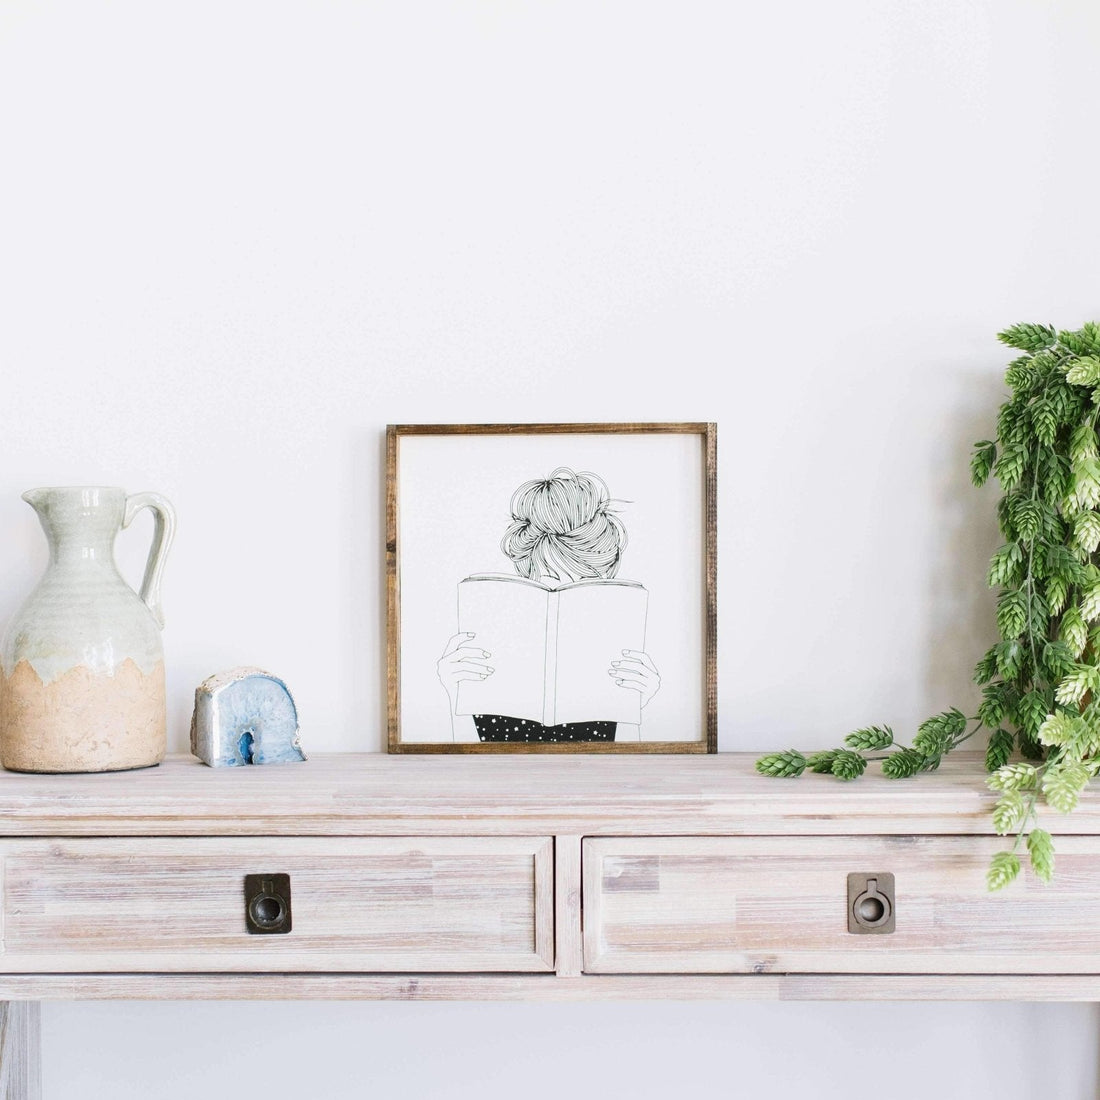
{"x": 240, "y": 238}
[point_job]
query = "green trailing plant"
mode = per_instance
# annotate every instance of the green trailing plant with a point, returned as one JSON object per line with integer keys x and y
{"x": 1041, "y": 681}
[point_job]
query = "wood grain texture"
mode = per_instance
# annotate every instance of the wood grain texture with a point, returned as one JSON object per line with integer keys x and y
{"x": 687, "y": 427}
{"x": 757, "y": 905}
{"x": 567, "y": 905}
{"x": 447, "y": 904}
{"x": 520, "y": 987}
{"x": 708, "y": 739}
{"x": 393, "y": 598}
{"x": 375, "y": 794}
{"x": 20, "y": 1050}
{"x": 710, "y": 573}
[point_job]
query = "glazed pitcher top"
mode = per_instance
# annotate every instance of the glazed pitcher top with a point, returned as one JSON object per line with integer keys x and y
{"x": 82, "y": 613}
{"x": 80, "y": 522}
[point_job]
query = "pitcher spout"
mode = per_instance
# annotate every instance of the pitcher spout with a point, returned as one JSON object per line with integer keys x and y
{"x": 36, "y": 498}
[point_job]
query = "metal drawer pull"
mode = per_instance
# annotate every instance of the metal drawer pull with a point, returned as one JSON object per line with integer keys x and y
{"x": 267, "y": 903}
{"x": 871, "y": 902}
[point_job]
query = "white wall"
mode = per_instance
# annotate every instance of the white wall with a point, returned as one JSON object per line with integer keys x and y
{"x": 237, "y": 239}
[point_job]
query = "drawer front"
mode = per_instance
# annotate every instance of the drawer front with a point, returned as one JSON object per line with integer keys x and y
{"x": 756, "y": 905}
{"x": 409, "y": 904}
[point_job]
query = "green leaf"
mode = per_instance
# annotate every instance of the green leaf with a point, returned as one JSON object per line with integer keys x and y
{"x": 1057, "y": 595}
{"x": 1027, "y": 337}
{"x": 1014, "y": 777}
{"x": 1084, "y": 744}
{"x": 821, "y": 763}
{"x": 1020, "y": 374}
{"x": 996, "y": 700}
{"x": 1090, "y": 603}
{"x": 1005, "y": 564}
{"x": 1005, "y": 523}
{"x": 1038, "y": 614}
{"x": 1073, "y": 341}
{"x": 1011, "y": 464}
{"x": 848, "y": 765}
{"x": 1065, "y": 400}
{"x": 1044, "y": 421}
{"x": 1084, "y": 483}
{"x": 1012, "y": 424}
{"x": 1061, "y": 562}
{"x": 986, "y": 668}
{"x": 1048, "y": 362}
{"x": 1012, "y": 613}
{"x": 1063, "y": 784}
{"x": 1083, "y": 443}
{"x": 1030, "y": 748}
{"x": 1003, "y": 868}
{"x": 1040, "y": 847}
{"x": 1085, "y": 372}
{"x": 1059, "y": 728}
{"x": 999, "y": 750}
{"x": 936, "y": 735}
{"x": 1027, "y": 515}
{"x": 902, "y": 764}
{"x": 1074, "y": 632}
{"x": 981, "y": 462}
{"x": 1031, "y": 712}
{"x": 1054, "y": 530}
{"x": 1057, "y": 660}
{"x": 1010, "y": 656}
{"x": 1057, "y": 592}
{"x": 1055, "y": 481}
{"x": 1077, "y": 684}
{"x": 952, "y": 722}
{"x": 1086, "y": 531}
{"x": 782, "y": 765}
{"x": 871, "y": 737}
{"x": 1009, "y": 812}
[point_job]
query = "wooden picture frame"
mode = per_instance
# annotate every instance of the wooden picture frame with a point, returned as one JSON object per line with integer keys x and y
{"x": 463, "y": 497}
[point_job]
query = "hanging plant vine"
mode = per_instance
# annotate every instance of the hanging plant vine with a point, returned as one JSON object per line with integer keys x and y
{"x": 1041, "y": 681}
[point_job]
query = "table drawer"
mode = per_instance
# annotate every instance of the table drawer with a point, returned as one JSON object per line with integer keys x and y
{"x": 409, "y": 904}
{"x": 756, "y": 904}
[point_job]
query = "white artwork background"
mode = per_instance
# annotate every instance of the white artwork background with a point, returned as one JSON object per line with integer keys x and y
{"x": 453, "y": 494}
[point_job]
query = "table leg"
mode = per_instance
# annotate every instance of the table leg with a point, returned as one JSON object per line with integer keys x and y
{"x": 20, "y": 1050}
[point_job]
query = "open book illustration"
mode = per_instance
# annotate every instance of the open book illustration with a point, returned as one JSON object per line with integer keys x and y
{"x": 551, "y": 647}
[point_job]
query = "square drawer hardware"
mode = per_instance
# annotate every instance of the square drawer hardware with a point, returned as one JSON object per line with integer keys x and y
{"x": 267, "y": 904}
{"x": 871, "y": 908}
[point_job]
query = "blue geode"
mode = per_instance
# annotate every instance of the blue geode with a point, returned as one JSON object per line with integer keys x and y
{"x": 244, "y": 716}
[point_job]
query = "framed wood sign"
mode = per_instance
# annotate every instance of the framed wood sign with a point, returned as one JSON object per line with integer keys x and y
{"x": 551, "y": 587}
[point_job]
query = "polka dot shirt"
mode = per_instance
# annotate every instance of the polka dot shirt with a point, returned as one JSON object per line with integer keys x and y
{"x": 498, "y": 727}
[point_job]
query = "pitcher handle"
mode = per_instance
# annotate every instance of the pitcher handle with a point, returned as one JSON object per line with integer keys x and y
{"x": 164, "y": 520}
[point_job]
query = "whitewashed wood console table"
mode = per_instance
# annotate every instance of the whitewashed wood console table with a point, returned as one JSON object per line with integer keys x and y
{"x": 509, "y": 877}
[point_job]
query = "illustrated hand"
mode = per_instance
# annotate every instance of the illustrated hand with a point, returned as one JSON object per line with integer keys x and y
{"x": 461, "y": 661}
{"x": 636, "y": 672}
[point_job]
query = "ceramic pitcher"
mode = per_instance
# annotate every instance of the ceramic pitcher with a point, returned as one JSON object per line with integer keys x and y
{"x": 81, "y": 664}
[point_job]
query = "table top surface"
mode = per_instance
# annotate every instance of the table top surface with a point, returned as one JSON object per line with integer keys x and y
{"x": 363, "y": 794}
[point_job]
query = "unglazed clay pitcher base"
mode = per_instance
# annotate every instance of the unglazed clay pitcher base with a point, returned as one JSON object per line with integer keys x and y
{"x": 83, "y": 721}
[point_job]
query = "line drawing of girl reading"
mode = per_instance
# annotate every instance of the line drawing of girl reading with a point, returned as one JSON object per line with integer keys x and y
{"x": 566, "y": 636}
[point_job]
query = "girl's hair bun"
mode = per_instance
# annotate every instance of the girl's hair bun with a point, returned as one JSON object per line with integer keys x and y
{"x": 564, "y": 524}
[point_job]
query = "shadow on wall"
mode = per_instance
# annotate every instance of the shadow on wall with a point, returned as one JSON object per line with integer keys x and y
{"x": 361, "y": 534}
{"x": 962, "y": 608}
